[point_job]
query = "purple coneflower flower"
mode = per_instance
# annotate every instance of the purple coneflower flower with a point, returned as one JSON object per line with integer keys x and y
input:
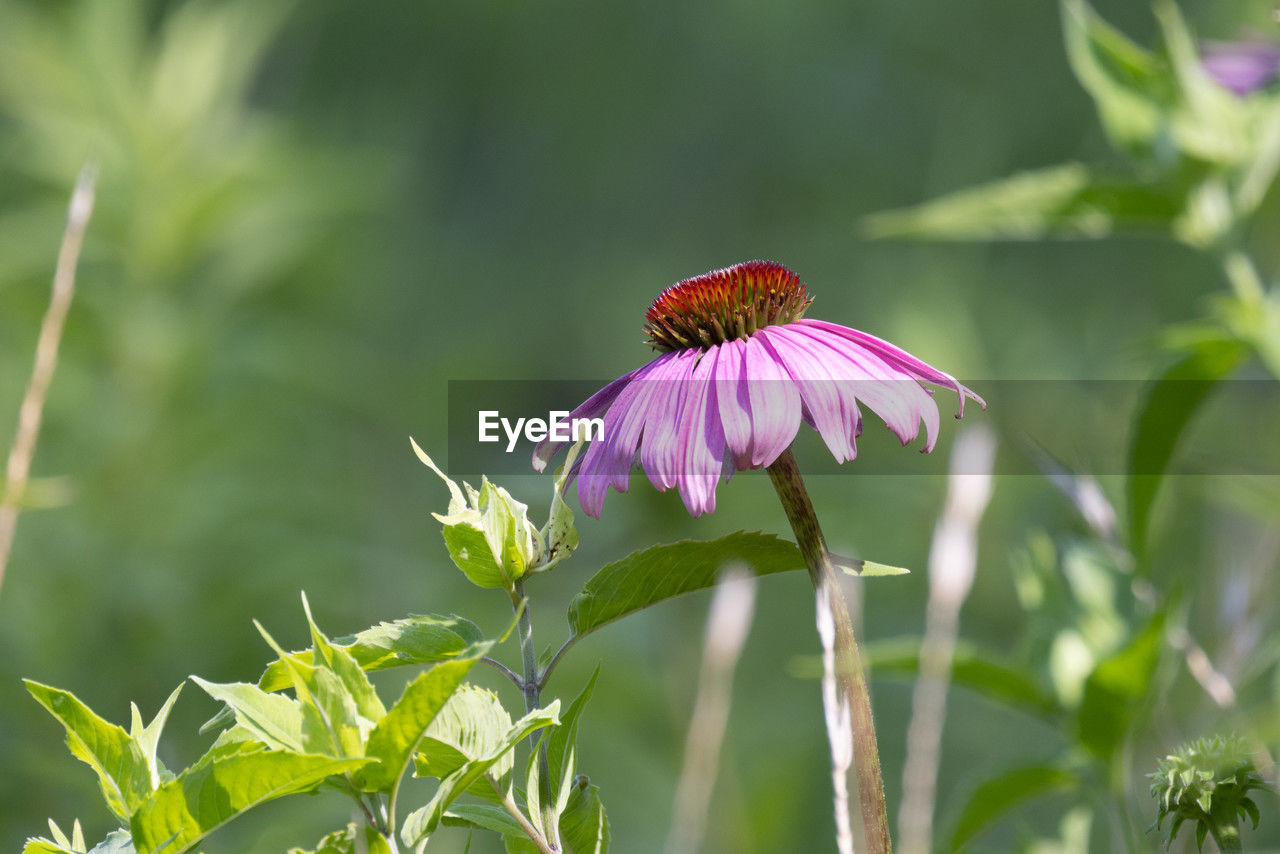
{"x": 1243, "y": 67}
{"x": 741, "y": 368}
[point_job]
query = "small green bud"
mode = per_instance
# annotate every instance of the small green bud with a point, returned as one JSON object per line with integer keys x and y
{"x": 490, "y": 537}
{"x": 487, "y": 532}
{"x": 1207, "y": 781}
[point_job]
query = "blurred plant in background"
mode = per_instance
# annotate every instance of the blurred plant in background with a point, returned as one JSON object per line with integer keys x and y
{"x": 1201, "y": 139}
{"x": 304, "y": 211}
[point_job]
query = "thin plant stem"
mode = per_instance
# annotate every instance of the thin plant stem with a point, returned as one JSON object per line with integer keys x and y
{"x": 532, "y": 832}
{"x": 31, "y": 412}
{"x": 786, "y": 478}
{"x": 728, "y": 622}
{"x": 1224, "y": 828}
{"x": 531, "y": 687}
{"x": 505, "y": 671}
{"x": 555, "y": 659}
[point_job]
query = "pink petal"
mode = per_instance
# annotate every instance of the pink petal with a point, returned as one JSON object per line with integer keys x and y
{"x": 892, "y": 393}
{"x": 589, "y": 408}
{"x": 702, "y": 439}
{"x": 733, "y": 400}
{"x": 660, "y": 453}
{"x": 774, "y": 401}
{"x": 834, "y": 412}
{"x": 896, "y": 357}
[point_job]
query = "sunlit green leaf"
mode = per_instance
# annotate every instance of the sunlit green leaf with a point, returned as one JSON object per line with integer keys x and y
{"x": 418, "y": 639}
{"x": 472, "y": 723}
{"x": 562, "y": 746}
{"x": 148, "y": 737}
{"x": 273, "y": 719}
{"x": 397, "y": 735}
{"x": 181, "y": 813}
{"x": 116, "y": 842}
{"x": 345, "y": 842}
{"x": 661, "y": 572}
{"x": 330, "y": 722}
{"x": 421, "y": 823}
{"x": 346, "y": 668}
{"x": 121, "y": 767}
{"x": 584, "y": 827}
{"x": 482, "y": 816}
{"x": 1002, "y": 793}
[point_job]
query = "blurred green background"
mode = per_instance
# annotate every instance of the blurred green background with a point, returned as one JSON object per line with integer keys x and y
{"x": 311, "y": 217}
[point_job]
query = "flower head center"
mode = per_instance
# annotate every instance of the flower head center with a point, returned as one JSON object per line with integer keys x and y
{"x": 725, "y": 304}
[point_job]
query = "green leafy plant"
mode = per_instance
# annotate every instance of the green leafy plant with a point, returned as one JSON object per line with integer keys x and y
{"x": 314, "y": 720}
{"x": 1208, "y": 782}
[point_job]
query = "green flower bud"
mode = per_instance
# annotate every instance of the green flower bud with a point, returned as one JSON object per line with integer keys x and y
{"x": 487, "y": 532}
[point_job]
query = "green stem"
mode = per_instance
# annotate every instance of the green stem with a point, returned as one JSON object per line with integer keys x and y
{"x": 786, "y": 478}
{"x": 1224, "y": 828}
{"x": 532, "y": 689}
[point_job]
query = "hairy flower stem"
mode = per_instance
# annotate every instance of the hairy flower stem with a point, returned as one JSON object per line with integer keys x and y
{"x": 1224, "y": 828}
{"x": 853, "y": 684}
{"x": 531, "y": 685}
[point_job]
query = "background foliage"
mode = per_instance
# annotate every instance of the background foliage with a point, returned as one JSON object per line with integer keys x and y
{"x": 311, "y": 217}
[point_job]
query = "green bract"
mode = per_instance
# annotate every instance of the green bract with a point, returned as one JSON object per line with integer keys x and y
{"x": 490, "y": 537}
{"x": 1207, "y": 781}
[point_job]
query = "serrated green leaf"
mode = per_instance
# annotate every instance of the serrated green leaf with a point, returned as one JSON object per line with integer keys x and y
{"x": 662, "y": 572}
{"x": 1002, "y": 793}
{"x": 562, "y": 746}
{"x": 116, "y": 842}
{"x": 1164, "y": 414}
{"x": 421, "y": 823}
{"x": 472, "y": 724}
{"x": 115, "y": 758}
{"x": 1114, "y": 691}
{"x": 1065, "y": 201}
{"x": 179, "y": 814}
{"x": 482, "y": 816}
{"x": 417, "y": 639}
{"x": 273, "y": 719}
{"x": 469, "y": 549}
{"x": 396, "y": 737}
{"x": 148, "y": 737}
{"x": 330, "y": 721}
{"x": 344, "y": 842}
{"x": 1202, "y": 831}
{"x": 584, "y": 827}
{"x": 345, "y": 667}
{"x": 978, "y": 670}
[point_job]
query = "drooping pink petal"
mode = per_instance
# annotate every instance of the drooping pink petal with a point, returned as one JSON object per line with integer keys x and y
{"x": 835, "y": 414}
{"x": 774, "y": 402}
{"x": 898, "y": 358}
{"x": 660, "y": 451}
{"x": 589, "y": 408}
{"x": 733, "y": 400}
{"x": 890, "y": 392}
{"x": 701, "y": 439}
